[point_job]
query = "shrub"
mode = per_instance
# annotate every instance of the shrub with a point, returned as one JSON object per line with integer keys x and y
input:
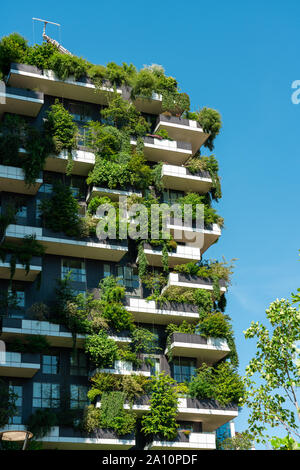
{"x": 210, "y": 121}
{"x": 60, "y": 126}
{"x": 41, "y": 422}
{"x": 65, "y": 65}
{"x": 12, "y": 49}
{"x": 221, "y": 383}
{"x": 102, "y": 350}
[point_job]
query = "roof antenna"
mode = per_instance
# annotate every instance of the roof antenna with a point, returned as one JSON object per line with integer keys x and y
{"x": 50, "y": 40}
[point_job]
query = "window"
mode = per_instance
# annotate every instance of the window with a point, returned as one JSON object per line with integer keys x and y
{"x": 183, "y": 369}
{"x": 129, "y": 278}
{"x": 171, "y": 196}
{"x": 80, "y": 112}
{"x": 50, "y": 365}
{"x": 46, "y": 395}
{"x": 107, "y": 270}
{"x": 76, "y": 267}
{"x": 78, "y": 364}
{"x": 155, "y": 366}
{"x": 22, "y": 212}
{"x": 17, "y": 295}
{"x": 185, "y": 426}
{"x": 18, "y": 391}
{"x": 78, "y": 396}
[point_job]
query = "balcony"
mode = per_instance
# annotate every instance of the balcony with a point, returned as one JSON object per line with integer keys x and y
{"x": 209, "y": 413}
{"x": 202, "y": 238}
{"x": 12, "y": 179}
{"x": 113, "y": 194}
{"x": 182, "y": 254}
{"x": 60, "y": 244}
{"x": 192, "y": 282}
{"x": 57, "y": 335}
{"x": 145, "y": 311}
{"x": 182, "y": 129}
{"x": 208, "y": 350}
{"x": 151, "y": 105}
{"x": 125, "y": 368}
{"x": 180, "y": 179}
{"x": 192, "y": 441}
{"x": 20, "y": 101}
{"x": 27, "y": 76}
{"x": 20, "y": 274}
{"x": 63, "y": 438}
{"x": 83, "y": 161}
{"x": 22, "y": 365}
{"x": 170, "y": 151}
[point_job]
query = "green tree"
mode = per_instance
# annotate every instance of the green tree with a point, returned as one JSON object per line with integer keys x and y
{"x": 272, "y": 375}
{"x": 161, "y": 419}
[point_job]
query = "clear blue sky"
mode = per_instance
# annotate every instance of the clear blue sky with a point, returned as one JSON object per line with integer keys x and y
{"x": 240, "y": 58}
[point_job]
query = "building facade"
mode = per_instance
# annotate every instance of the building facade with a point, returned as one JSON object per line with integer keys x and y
{"x": 58, "y": 378}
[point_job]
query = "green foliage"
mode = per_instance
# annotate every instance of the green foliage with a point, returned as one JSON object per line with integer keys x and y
{"x": 111, "y": 296}
{"x": 8, "y": 407}
{"x": 161, "y": 419}
{"x": 16, "y": 134}
{"x": 39, "y": 55}
{"x": 21, "y": 254}
{"x": 101, "y": 350}
{"x": 37, "y": 344}
{"x": 201, "y": 163}
{"x": 241, "y": 441}
{"x": 65, "y": 65}
{"x": 221, "y": 383}
{"x": 41, "y": 422}
{"x": 175, "y": 103}
{"x": 285, "y": 443}
{"x": 272, "y": 375}
{"x": 12, "y": 49}
{"x": 209, "y": 213}
{"x": 60, "y": 211}
{"x": 132, "y": 386}
{"x": 210, "y": 121}
{"x": 124, "y": 115}
{"x": 60, "y": 126}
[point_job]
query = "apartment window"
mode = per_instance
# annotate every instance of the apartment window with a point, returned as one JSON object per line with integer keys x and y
{"x": 171, "y": 196}
{"x": 129, "y": 278}
{"x": 78, "y": 365}
{"x": 17, "y": 296}
{"x": 107, "y": 270}
{"x": 18, "y": 391}
{"x": 75, "y": 267}
{"x": 50, "y": 364}
{"x": 78, "y": 396}
{"x": 155, "y": 366}
{"x": 80, "y": 112}
{"x": 185, "y": 426}
{"x": 22, "y": 212}
{"x": 183, "y": 369}
{"x": 46, "y": 395}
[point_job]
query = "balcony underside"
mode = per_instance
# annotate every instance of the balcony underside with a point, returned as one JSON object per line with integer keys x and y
{"x": 22, "y": 104}
{"x": 22, "y": 370}
{"x": 154, "y": 257}
{"x": 151, "y": 105}
{"x": 201, "y": 238}
{"x": 82, "y": 162}
{"x": 16, "y": 185}
{"x": 149, "y": 312}
{"x": 201, "y": 352}
{"x": 24, "y": 76}
{"x": 69, "y": 247}
{"x": 20, "y": 272}
{"x": 113, "y": 194}
{"x": 164, "y": 151}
